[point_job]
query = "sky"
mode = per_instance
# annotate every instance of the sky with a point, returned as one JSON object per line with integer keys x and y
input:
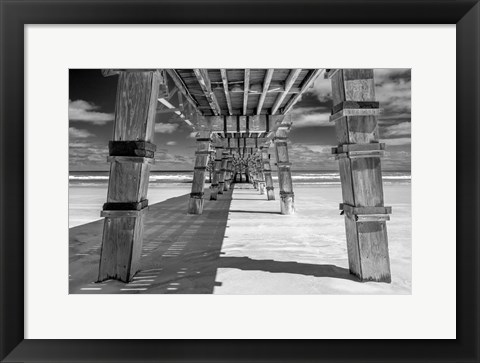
{"x": 92, "y": 107}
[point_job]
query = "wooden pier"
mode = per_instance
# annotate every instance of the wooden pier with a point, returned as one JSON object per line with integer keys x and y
{"x": 241, "y": 117}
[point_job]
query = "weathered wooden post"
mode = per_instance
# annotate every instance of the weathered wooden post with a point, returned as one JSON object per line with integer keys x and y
{"x": 284, "y": 173}
{"x": 355, "y": 114}
{"x": 131, "y": 155}
{"x": 254, "y": 171}
{"x": 240, "y": 171}
{"x": 216, "y": 175}
{"x": 223, "y": 170}
{"x": 267, "y": 170}
{"x": 195, "y": 204}
{"x": 228, "y": 173}
{"x": 260, "y": 175}
{"x": 211, "y": 164}
{"x": 233, "y": 174}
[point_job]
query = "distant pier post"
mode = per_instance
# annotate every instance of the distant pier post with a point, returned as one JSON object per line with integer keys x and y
{"x": 252, "y": 172}
{"x": 216, "y": 174}
{"x": 253, "y": 169}
{"x": 260, "y": 175}
{"x": 131, "y": 156}
{"x": 287, "y": 205}
{"x": 228, "y": 173}
{"x": 195, "y": 203}
{"x": 355, "y": 113}
{"x": 239, "y": 169}
{"x": 267, "y": 170}
{"x": 223, "y": 170}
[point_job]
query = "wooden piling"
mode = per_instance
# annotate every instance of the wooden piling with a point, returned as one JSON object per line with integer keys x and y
{"x": 287, "y": 204}
{"x": 195, "y": 203}
{"x": 267, "y": 170}
{"x": 228, "y": 173}
{"x": 131, "y": 156}
{"x": 355, "y": 114}
{"x": 216, "y": 174}
{"x": 260, "y": 175}
{"x": 223, "y": 170}
{"x": 253, "y": 173}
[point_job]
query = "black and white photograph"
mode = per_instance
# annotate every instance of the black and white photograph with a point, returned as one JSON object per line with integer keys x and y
{"x": 253, "y": 181}
{"x": 308, "y": 193}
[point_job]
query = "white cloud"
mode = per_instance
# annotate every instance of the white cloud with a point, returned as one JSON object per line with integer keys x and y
{"x": 322, "y": 89}
{"x": 312, "y": 156}
{"x": 171, "y": 143}
{"x": 164, "y": 128}
{"x": 387, "y": 74}
{"x": 79, "y": 133}
{"x": 311, "y": 116}
{"x": 393, "y": 90}
{"x": 79, "y": 145}
{"x": 319, "y": 148}
{"x": 401, "y": 129}
{"x": 81, "y": 110}
{"x": 397, "y": 142}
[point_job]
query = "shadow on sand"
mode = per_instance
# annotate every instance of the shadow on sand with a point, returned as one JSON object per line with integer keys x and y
{"x": 181, "y": 253}
{"x": 254, "y": 211}
{"x": 272, "y": 266}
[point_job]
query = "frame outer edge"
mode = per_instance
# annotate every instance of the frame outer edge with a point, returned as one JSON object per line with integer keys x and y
{"x": 468, "y": 183}
{"x": 11, "y": 179}
{"x": 13, "y": 18}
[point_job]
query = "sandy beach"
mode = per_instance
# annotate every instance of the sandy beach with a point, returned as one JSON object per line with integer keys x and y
{"x": 85, "y": 202}
{"x": 240, "y": 244}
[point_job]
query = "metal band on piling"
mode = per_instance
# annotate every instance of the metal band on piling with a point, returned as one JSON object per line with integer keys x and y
{"x": 123, "y": 209}
{"x": 126, "y": 206}
{"x": 198, "y": 195}
{"x": 131, "y": 148}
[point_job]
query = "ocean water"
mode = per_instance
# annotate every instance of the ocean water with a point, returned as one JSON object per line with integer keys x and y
{"x": 92, "y": 178}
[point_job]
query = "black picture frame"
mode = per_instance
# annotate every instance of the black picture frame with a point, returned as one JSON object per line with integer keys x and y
{"x": 15, "y": 14}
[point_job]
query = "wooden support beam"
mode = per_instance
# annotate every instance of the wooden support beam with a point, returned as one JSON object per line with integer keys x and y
{"x": 267, "y": 171}
{"x": 257, "y": 88}
{"x": 252, "y": 165}
{"x": 260, "y": 174}
{"x": 183, "y": 88}
{"x": 287, "y": 205}
{"x": 204, "y": 81}
{"x": 292, "y": 77}
{"x": 162, "y": 110}
{"x": 312, "y": 76}
{"x": 284, "y": 122}
{"x": 361, "y": 175}
{"x": 216, "y": 175}
{"x": 257, "y": 124}
{"x": 223, "y": 170}
{"x": 229, "y": 173}
{"x": 170, "y": 95}
{"x": 195, "y": 205}
{"x": 246, "y": 89}
{"x": 223, "y": 72}
{"x": 135, "y": 107}
{"x": 266, "y": 85}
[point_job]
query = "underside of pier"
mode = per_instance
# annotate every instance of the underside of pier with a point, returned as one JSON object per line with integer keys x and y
{"x": 242, "y": 119}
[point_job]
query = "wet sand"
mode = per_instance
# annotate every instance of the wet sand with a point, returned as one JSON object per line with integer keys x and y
{"x": 242, "y": 245}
